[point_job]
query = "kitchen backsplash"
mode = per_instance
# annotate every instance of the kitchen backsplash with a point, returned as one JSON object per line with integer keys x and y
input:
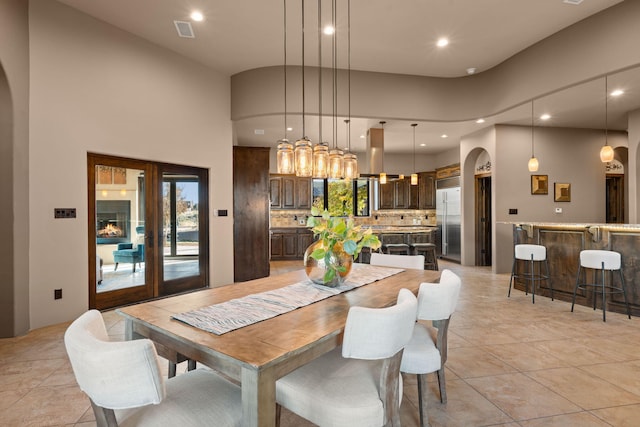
{"x": 396, "y": 217}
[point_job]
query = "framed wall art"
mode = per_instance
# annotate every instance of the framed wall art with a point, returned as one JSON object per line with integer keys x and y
{"x": 562, "y": 192}
{"x": 539, "y": 184}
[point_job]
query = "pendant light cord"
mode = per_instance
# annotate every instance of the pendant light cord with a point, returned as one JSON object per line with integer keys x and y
{"x": 414, "y": 146}
{"x": 349, "y": 73}
{"x": 532, "y": 129}
{"x": 304, "y": 134}
{"x": 319, "y": 71}
{"x": 335, "y": 74}
{"x": 606, "y": 110}
{"x": 285, "y": 68}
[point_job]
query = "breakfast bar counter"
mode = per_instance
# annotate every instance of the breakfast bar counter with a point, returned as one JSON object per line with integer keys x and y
{"x": 564, "y": 243}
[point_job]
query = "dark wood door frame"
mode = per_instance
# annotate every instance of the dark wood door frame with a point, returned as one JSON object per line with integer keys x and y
{"x": 483, "y": 219}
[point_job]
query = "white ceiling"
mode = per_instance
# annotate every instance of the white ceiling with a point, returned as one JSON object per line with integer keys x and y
{"x": 386, "y": 36}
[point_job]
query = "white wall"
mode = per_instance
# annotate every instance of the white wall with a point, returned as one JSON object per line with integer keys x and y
{"x": 95, "y": 88}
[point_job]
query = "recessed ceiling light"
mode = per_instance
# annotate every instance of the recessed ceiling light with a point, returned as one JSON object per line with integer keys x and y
{"x": 197, "y": 16}
{"x": 617, "y": 92}
{"x": 471, "y": 70}
{"x": 480, "y": 121}
{"x": 574, "y": 2}
{"x": 423, "y": 145}
{"x": 258, "y": 131}
{"x": 289, "y": 129}
{"x": 444, "y": 135}
{"x": 361, "y": 136}
{"x": 328, "y": 30}
{"x": 442, "y": 42}
{"x": 545, "y": 117}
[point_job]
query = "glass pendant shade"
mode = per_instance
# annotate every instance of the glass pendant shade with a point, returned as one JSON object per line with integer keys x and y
{"x": 321, "y": 160}
{"x": 304, "y": 158}
{"x": 414, "y": 179}
{"x": 401, "y": 176}
{"x": 533, "y": 164}
{"x": 383, "y": 178}
{"x": 284, "y": 158}
{"x": 606, "y": 154}
{"x": 350, "y": 166}
{"x": 336, "y": 164}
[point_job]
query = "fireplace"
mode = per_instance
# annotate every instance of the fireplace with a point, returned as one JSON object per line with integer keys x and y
{"x": 113, "y": 221}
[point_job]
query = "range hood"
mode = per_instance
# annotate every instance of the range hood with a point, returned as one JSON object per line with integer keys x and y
{"x": 375, "y": 150}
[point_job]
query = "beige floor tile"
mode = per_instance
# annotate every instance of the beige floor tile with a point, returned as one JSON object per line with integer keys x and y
{"x": 47, "y": 406}
{"x": 464, "y": 407}
{"x": 620, "y": 416}
{"x": 572, "y": 352}
{"x": 522, "y": 398}
{"x": 472, "y": 362}
{"x": 9, "y": 397}
{"x": 585, "y": 390}
{"x": 29, "y": 374}
{"x": 625, "y": 375}
{"x": 524, "y": 356}
{"x": 580, "y": 419}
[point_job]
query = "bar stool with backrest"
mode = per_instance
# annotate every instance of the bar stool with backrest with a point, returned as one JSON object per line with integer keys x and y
{"x": 421, "y": 244}
{"x": 604, "y": 261}
{"x": 394, "y": 244}
{"x": 532, "y": 254}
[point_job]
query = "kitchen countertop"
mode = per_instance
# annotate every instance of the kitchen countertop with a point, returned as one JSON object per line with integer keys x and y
{"x": 378, "y": 228}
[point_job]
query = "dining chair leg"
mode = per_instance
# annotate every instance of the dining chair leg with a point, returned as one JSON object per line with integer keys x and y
{"x": 422, "y": 400}
{"x": 172, "y": 369}
{"x": 442, "y": 385}
{"x": 278, "y": 412}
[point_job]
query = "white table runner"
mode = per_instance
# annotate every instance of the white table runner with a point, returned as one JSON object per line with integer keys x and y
{"x": 237, "y": 313}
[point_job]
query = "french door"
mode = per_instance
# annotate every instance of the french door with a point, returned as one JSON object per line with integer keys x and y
{"x": 148, "y": 230}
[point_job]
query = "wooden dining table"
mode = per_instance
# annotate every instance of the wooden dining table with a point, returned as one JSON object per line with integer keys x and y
{"x": 255, "y": 356}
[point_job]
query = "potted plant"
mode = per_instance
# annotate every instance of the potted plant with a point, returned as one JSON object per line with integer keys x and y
{"x": 328, "y": 260}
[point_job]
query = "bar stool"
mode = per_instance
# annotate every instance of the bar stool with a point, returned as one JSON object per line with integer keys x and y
{"x": 603, "y": 261}
{"x": 394, "y": 244}
{"x": 429, "y": 252}
{"x": 532, "y": 254}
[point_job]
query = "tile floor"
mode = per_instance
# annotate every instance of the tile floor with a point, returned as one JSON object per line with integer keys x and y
{"x": 511, "y": 363}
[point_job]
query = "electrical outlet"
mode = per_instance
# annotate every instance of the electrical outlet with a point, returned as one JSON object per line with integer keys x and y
{"x": 64, "y": 213}
{"x": 57, "y": 294}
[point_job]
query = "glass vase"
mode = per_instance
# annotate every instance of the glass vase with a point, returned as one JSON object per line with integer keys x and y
{"x": 337, "y": 259}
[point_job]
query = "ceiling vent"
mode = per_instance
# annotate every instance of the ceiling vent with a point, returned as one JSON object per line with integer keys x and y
{"x": 184, "y": 29}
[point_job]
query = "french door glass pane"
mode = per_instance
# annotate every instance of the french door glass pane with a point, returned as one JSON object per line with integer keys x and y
{"x": 120, "y": 231}
{"x": 181, "y": 240}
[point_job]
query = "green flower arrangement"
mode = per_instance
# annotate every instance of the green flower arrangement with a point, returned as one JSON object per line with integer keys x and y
{"x": 334, "y": 236}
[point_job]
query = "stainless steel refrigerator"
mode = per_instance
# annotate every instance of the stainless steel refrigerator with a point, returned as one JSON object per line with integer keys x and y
{"x": 448, "y": 217}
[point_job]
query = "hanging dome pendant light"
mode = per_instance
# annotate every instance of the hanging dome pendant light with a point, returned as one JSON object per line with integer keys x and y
{"x": 606, "y": 152}
{"x": 414, "y": 175}
{"x": 533, "y": 161}
{"x": 285, "y": 161}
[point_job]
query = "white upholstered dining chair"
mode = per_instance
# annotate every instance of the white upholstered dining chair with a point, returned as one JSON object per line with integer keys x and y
{"x": 400, "y": 261}
{"x": 359, "y": 383}
{"x": 124, "y": 384}
{"x": 427, "y": 350}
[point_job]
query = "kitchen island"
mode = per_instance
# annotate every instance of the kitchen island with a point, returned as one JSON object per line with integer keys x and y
{"x": 564, "y": 243}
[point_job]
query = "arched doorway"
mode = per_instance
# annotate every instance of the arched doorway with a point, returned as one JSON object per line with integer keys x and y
{"x": 478, "y": 222}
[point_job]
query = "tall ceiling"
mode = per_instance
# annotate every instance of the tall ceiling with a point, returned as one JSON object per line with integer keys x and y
{"x": 386, "y": 36}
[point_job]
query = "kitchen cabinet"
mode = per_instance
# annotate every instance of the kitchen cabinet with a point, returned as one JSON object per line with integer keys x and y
{"x": 289, "y": 192}
{"x": 401, "y": 193}
{"x": 289, "y": 243}
{"x": 427, "y": 190}
{"x": 387, "y": 195}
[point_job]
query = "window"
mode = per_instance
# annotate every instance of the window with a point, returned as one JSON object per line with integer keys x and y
{"x": 338, "y": 195}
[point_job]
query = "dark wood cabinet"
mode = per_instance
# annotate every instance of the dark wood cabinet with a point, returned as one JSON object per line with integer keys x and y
{"x": 387, "y": 195}
{"x": 250, "y": 213}
{"x": 427, "y": 190}
{"x": 303, "y": 193}
{"x": 289, "y": 243}
{"x": 289, "y": 192}
{"x": 414, "y": 196}
{"x": 401, "y": 194}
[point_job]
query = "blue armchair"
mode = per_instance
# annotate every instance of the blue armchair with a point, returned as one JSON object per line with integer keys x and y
{"x": 127, "y": 253}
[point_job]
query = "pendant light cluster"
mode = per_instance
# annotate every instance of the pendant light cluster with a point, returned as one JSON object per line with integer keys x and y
{"x": 606, "y": 152}
{"x": 318, "y": 161}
